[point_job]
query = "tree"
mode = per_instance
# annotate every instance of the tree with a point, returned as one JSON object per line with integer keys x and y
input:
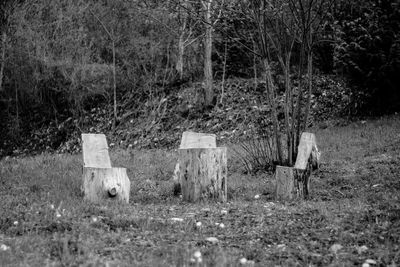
{"x": 286, "y": 32}
{"x": 210, "y": 10}
{"x": 367, "y": 52}
{"x": 7, "y": 8}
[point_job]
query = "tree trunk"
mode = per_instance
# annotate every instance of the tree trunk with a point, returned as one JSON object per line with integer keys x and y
{"x": 3, "y": 58}
{"x": 203, "y": 172}
{"x": 310, "y": 75}
{"x": 181, "y": 51}
{"x": 208, "y": 73}
{"x": 100, "y": 184}
{"x": 192, "y": 140}
{"x": 294, "y": 183}
{"x": 274, "y": 108}
{"x": 114, "y": 83}
{"x": 223, "y": 73}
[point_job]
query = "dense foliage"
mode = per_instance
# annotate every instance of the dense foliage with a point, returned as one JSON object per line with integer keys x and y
{"x": 62, "y": 59}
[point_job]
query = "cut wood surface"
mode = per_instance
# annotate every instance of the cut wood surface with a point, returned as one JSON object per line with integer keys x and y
{"x": 203, "y": 173}
{"x": 307, "y": 145}
{"x": 294, "y": 183}
{"x": 95, "y": 151}
{"x": 193, "y": 140}
{"x": 197, "y": 140}
{"x": 291, "y": 183}
{"x": 100, "y": 184}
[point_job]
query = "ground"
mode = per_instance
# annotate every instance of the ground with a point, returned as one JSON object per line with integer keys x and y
{"x": 351, "y": 218}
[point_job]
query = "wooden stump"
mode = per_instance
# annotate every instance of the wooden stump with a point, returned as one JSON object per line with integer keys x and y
{"x": 106, "y": 183}
{"x": 100, "y": 180}
{"x": 291, "y": 183}
{"x": 198, "y": 140}
{"x": 284, "y": 179}
{"x": 307, "y": 152}
{"x": 294, "y": 183}
{"x": 203, "y": 173}
{"x": 95, "y": 151}
{"x": 192, "y": 140}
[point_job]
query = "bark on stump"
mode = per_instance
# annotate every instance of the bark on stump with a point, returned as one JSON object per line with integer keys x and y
{"x": 294, "y": 183}
{"x": 100, "y": 184}
{"x": 291, "y": 183}
{"x": 192, "y": 140}
{"x": 100, "y": 180}
{"x": 203, "y": 173}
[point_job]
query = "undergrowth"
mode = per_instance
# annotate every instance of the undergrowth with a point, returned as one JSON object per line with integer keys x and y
{"x": 352, "y": 215}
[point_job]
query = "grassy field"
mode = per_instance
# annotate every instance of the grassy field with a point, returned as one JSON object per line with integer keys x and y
{"x": 352, "y": 217}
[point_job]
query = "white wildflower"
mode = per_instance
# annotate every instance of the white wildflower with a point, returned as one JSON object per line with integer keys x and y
{"x": 177, "y": 219}
{"x": 197, "y": 254}
{"x": 243, "y": 261}
{"x": 212, "y": 239}
{"x": 4, "y": 247}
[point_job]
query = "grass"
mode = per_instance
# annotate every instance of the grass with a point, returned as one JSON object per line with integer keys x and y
{"x": 354, "y": 203}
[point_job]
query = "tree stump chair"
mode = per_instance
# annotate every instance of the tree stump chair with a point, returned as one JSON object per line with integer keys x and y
{"x": 201, "y": 171}
{"x": 100, "y": 180}
{"x": 294, "y": 182}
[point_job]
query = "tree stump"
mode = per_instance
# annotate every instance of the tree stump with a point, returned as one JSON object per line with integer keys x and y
{"x": 203, "y": 173}
{"x": 294, "y": 182}
{"x": 101, "y": 181}
{"x": 95, "y": 151}
{"x": 192, "y": 140}
{"x": 100, "y": 184}
{"x": 198, "y": 140}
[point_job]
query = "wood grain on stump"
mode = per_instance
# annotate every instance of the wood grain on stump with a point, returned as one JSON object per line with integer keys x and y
{"x": 95, "y": 151}
{"x": 203, "y": 173}
{"x": 100, "y": 180}
{"x": 294, "y": 182}
{"x": 100, "y": 184}
{"x": 192, "y": 140}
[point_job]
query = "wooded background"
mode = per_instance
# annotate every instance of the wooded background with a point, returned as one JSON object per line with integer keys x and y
{"x": 67, "y": 65}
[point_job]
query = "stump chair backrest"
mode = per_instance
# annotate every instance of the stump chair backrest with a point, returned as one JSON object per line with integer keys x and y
{"x": 95, "y": 151}
{"x": 307, "y": 144}
{"x": 197, "y": 140}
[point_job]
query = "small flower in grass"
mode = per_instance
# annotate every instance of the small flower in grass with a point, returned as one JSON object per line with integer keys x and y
{"x": 281, "y": 247}
{"x": 212, "y": 240}
{"x": 223, "y": 212}
{"x": 58, "y": 215}
{"x": 256, "y": 196}
{"x": 4, "y": 247}
{"x": 243, "y": 261}
{"x": 362, "y": 249}
{"x": 335, "y": 248}
{"x": 198, "y": 224}
{"x": 94, "y": 219}
{"x": 52, "y": 206}
{"x": 16, "y": 223}
{"x": 196, "y": 257}
{"x": 176, "y": 219}
{"x": 368, "y": 263}
{"x": 221, "y": 225}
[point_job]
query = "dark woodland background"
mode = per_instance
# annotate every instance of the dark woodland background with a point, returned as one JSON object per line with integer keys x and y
{"x": 59, "y": 59}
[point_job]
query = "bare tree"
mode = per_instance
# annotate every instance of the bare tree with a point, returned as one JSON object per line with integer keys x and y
{"x": 6, "y": 9}
{"x": 283, "y": 28}
{"x": 111, "y": 35}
